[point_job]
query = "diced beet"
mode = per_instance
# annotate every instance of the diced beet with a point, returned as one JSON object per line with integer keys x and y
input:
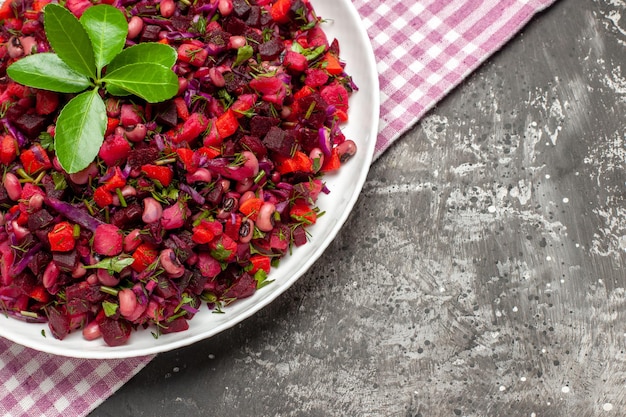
{"x": 295, "y": 62}
{"x": 146, "y": 9}
{"x": 184, "y": 281}
{"x": 58, "y": 322}
{"x": 4, "y": 196}
{"x": 241, "y": 8}
{"x": 214, "y": 196}
{"x": 127, "y": 217}
{"x": 271, "y": 49}
{"x": 279, "y": 238}
{"x": 39, "y": 262}
{"x": 254, "y": 16}
{"x": 165, "y": 287}
{"x": 260, "y": 125}
{"x": 272, "y": 89}
{"x": 299, "y": 235}
{"x": 115, "y": 332}
{"x": 155, "y": 233}
{"x": 334, "y": 47}
{"x": 208, "y": 266}
{"x": 25, "y": 282}
{"x": 31, "y": 124}
{"x": 243, "y": 287}
{"x": 65, "y": 261}
{"x": 84, "y": 291}
{"x": 254, "y": 37}
{"x": 308, "y": 139}
{"x": 277, "y": 140}
{"x": 142, "y": 156}
{"x": 166, "y": 114}
{"x": 150, "y": 33}
{"x": 196, "y": 284}
{"x": 51, "y": 189}
{"x": 335, "y": 94}
{"x": 77, "y": 306}
{"x": 39, "y": 219}
{"x": 229, "y": 147}
{"x": 216, "y": 40}
{"x": 234, "y": 25}
{"x": 311, "y": 110}
{"x": 179, "y": 324}
{"x": 181, "y": 243}
{"x": 316, "y": 37}
{"x": 296, "y": 7}
{"x": 181, "y": 22}
{"x": 46, "y": 102}
{"x": 243, "y": 251}
{"x": 234, "y": 82}
{"x": 254, "y": 145}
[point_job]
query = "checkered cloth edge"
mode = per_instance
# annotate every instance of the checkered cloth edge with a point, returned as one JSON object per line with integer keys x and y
{"x": 38, "y": 384}
{"x": 424, "y": 48}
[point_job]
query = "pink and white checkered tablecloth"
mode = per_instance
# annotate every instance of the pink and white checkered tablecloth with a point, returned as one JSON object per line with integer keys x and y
{"x": 424, "y": 48}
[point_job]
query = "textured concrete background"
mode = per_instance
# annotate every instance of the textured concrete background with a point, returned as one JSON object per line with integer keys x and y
{"x": 481, "y": 273}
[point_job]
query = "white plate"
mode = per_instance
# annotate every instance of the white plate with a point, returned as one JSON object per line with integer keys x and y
{"x": 343, "y": 23}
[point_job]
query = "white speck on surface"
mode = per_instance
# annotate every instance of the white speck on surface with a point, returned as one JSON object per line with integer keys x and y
{"x": 548, "y": 258}
{"x": 607, "y": 406}
{"x": 523, "y": 379}
{"x": 502, "y": 388}
{"x": 176, "y": 369}
{"x": 491, "y": 209}
{"x": 515, "y": 309}
{"x": 211, "y": 356}
{"x": 565, "y": 200}
{"x": 565, "y": 390}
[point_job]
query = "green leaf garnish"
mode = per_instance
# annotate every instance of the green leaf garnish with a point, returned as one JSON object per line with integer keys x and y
{"x": 309, "y": 53}
{"x": 243, "y": 54}
{"x": 46, "y": 71}
{"x": 114, "y": 264}
{"x": 69, "y": 39}
{"x": 82, "y": 49}
{"x": 149, "y": 52}
{"x": 152, "y": 82}
{"x": 110, "y": 308}
{"x": 80, "y": 131}
{"x": 260, "y": 277}
{"x": 107, "y": 31}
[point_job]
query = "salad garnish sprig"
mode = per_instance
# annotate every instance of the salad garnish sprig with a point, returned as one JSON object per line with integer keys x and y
{"x": 89, "y": 58}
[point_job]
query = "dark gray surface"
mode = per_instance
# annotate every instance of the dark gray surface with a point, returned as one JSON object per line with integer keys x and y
{"x": 480, "y": 274}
